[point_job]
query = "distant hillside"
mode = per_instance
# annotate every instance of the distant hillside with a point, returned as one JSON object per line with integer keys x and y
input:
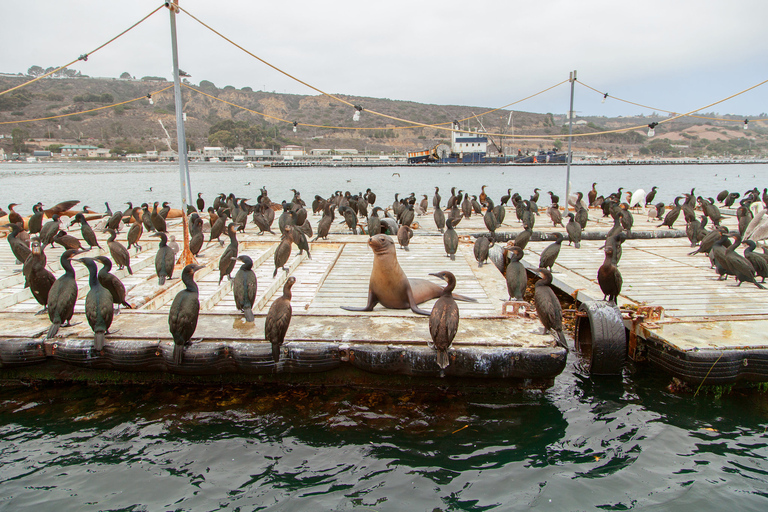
{"x": 140, "y": 126}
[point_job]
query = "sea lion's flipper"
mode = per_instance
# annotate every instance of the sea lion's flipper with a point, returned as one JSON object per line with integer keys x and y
{"x": 372, "y": 301}
{"x": 457, "y": 296}
{"x": 415, "y": 307}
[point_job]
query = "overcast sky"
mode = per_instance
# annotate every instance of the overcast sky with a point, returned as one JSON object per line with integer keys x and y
{"x": 674, "y": 55}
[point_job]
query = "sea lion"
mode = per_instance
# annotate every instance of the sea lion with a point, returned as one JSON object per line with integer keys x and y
{"x": 389, "y": 285}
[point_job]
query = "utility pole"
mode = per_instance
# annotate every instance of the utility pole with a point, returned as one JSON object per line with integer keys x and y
{"x": 569, "y": 157}
{"x": 186, "y": 189}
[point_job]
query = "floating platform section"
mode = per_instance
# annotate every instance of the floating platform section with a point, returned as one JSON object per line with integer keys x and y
{"x": 674, "y": 314}
{"x": 325, "y": 345}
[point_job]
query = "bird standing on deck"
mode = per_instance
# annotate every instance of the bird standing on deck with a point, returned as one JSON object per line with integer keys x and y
{"x": 164, "y": 259}
{"x": 609, "y": 277}
{"x": 444, "y": 319}
{"x": 62, "y": 296}
{"x": 119, "y": 253}
{"x": 481, "y": 248}
{"x": 229, "y": 256}
{"x": 38, "y": 277}
{"x": 516, "y": 276}
{"x": 98, "y": 305}
{"x": 548, "y": 308}
{"x": 182, "y": 318}
{"x": 244, "y": 287}
{"x": 112, "y": 283}
{"x": 278, "y": 319}
{"x": 549, "y": 255}
{"x": 19, "y": 248}
{"x": 450, "y": 240}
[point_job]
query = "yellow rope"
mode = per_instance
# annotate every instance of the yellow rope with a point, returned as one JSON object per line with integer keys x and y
{"x": 670, "y": 112}
{"x": 341, "y": 100}
{"x": 309, "y": 125}
{"x": 510, "y": 104}
{"x": 85, "y": 111}
{"x": 84, "y": 56}
{"x": 708, "y": 372}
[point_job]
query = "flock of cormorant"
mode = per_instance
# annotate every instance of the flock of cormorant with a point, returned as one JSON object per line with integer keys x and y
{"x": 228, "y": 215}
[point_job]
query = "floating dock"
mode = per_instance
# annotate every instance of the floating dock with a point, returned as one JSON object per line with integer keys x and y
{"x": 324, "y": 344}
{"x": 675, "y": 313}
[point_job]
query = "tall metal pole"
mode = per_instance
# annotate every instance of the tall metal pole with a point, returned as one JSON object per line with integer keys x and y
{"x": 570, "y": 140}
{"x": 181, "y": 139}
{"x": 186, "y": 190}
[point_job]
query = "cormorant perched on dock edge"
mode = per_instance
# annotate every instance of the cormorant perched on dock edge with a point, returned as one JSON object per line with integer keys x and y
{"x": 244, "y": 287}
{"x": 548, "y": 308}
{"x": 278, "y": 319}
{"x": 62, "y": 296}
{"x": 182, "y": 318}
{"x": 98, "y": 305}
{"x": 444, "y": 319}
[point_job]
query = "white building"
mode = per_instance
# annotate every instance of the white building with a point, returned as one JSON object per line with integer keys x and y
{"x": 292, "y": 150}
{"x": 258, "y": 152}
{"x": 469, "y": 142}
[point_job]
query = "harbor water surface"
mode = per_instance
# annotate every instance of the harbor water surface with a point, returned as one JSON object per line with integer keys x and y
{"x": 585, "y": 444}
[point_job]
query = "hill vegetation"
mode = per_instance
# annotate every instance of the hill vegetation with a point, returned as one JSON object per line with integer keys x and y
{"x": 119, "y": 114}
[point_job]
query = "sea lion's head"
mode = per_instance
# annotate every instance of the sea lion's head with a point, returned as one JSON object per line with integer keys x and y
{"x": 381, "y": 244}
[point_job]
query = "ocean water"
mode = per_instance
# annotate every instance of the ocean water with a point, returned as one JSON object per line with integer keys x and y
{"x": 93, "y": 183}
{"x": 605, "y": 444}
{"x": 585, "y": 444}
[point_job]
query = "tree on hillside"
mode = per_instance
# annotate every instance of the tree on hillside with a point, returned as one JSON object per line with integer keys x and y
{"x": 35, "y": 71}
{"x": 125, "y": 76}
{"x": 207, "y": 85}
{"x": 19, "y": 136}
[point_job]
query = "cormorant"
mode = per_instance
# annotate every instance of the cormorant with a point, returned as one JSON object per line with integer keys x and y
{"x": 759, "y": 263}
{"x": 86, "y": 231}
{"x": 35, "y": 222}
{"x": 439, "y": 217}
{"x": 49, "y": 230}
{"x": 66, "y": 241}
{"x": 444, "y": 319}
{"x": 164, "y": 259}
{"x": 135, "y": 231}
{"x": 738, "y": 265}
{"x": 482, "y": 246}
{"x": 549, "y": 255}
{"x": 229, "y": 256}
{"x": 592, "y": 195}
{"x": 62, "y": 296}
{"x": 19, "y": 248}
{"x": 197, "y": 238}
{"x": 609, "y": 277}
{"x": 672, "y": 214}
{"x": 98, "y": 305}
{"x": 300, "y": 239}
{"x": 450, "y": 240}
{"x": 39, "y": 278}
{"x": 282, "y": 253}
{"x": 244, "y": 287}
{"x": 650, "y": 196}
{"x": 200, "y": 202}
{"x": 516, "y": 276}
{"x": 324, "y": 226}
{"x": 182, "y": 318}
{"x": 158, "y": 222}
{"x": 404, "y": 235}
{"x": 119, "y": 253}
{"x": 278, "y": 318}
{"x": 548, "y": 308}
{"x": 522, "y": 239}
{"x": 112, "y": 283}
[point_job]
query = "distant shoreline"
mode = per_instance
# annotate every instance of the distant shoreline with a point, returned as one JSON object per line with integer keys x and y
{"x": 395, "y": 163}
